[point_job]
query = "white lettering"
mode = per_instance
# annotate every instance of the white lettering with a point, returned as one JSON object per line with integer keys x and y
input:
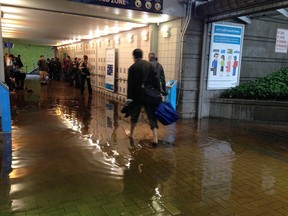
{"x": 121, "y": 2}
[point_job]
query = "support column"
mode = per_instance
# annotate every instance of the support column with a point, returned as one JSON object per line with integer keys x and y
{"x": 2, "y": 72}
{"x": 154, "y": 31}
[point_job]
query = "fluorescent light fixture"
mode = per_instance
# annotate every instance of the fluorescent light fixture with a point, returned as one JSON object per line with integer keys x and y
{"x": 99, "y": 42}
{"x": 117, "y": 39}
{"x": 144, "y": 35}
{"x": 166, "y": 31}
{"x": 130, "y": 37}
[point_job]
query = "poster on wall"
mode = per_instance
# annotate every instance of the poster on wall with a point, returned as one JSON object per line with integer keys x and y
{"x": 225, "y": 55}
{"x": 110, "y": 69}
{"x": 281, "y": 41}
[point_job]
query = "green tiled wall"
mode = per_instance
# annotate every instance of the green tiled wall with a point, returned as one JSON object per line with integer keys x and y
{"x": 30, "y": 54}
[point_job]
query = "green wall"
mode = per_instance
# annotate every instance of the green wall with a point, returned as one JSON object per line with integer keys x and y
{"x": 30, "y": 54}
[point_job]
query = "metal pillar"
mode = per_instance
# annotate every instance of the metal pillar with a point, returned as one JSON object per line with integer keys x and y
{"x": 154, "y": 31}
{"x": 203, "y": 70}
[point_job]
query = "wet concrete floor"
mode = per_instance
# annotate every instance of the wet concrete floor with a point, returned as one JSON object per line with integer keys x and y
{"x": 70, "y": 156}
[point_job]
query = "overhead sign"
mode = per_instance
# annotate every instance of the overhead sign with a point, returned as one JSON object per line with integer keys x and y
{"x": 8, "y": 45}
{"x": 225, "y": 55}
{"x": 281, "y": 41}
{"x": 154, "y": 6}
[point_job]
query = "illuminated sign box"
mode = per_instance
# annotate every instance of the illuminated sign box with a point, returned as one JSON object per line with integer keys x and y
{"x": 154, "y": 6}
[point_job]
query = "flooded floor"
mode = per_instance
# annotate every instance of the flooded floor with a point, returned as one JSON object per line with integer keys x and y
{"x": 70, "y": 156}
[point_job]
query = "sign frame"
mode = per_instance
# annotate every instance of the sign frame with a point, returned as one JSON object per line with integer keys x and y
{"x": 226, "y": 44}
{"x": 110, "y": 69}
{"x": 281, "y": 45}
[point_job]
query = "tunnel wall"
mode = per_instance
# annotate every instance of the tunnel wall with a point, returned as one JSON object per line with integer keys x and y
{"x": 95, "y": 49}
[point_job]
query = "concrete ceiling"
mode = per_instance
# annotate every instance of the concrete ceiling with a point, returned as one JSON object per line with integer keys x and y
{"x": 216, "y": 10}
{"x": 52, "y": 22}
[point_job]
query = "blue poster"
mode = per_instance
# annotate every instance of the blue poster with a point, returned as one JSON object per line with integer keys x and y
{"x": 225, "y": 55}
{"x": 110, "y": 69}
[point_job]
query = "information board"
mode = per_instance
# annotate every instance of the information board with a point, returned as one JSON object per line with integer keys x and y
{"x": 225, "y": 55}
{"x": 110, "y": 69}
{"x": 281, "y": 41}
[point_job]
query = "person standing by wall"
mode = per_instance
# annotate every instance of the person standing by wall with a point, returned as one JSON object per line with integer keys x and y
{"x": 68, "y": 69}
{"x": 19, "y": 61}
{"x": 136, "y": 73}
{"x": 42, "y": 63}
{"x": 75, "y": 74}
{"x": 85, "y": 72}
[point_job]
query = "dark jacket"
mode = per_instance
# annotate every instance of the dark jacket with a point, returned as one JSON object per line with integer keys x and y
{"x": 136, "y": 74}
{"x": 161, "y": 75}
{"x": 42, "y": 63}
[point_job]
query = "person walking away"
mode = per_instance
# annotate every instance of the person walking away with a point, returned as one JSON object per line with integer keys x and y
{"x": 160, "y": 72}
{"x": 69, "y": 70}
{"x": 136, "y": 73}
{"x": 78, "y": 75}
{"x": 42, "y": 63}
{"x": 85, "y": 69}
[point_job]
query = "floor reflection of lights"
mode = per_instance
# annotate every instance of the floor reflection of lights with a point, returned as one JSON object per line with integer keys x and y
{"x": 18, "y": 204}
{"x": 109, "y": 155}
{"x": 18, "y": 173}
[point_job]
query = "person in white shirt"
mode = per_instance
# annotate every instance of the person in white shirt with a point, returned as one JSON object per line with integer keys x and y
{"x": 9, "y": 70}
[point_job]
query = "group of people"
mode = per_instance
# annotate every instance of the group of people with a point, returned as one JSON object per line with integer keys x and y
{"x": 76, "y": 72}
{"x": 14, "y": 74}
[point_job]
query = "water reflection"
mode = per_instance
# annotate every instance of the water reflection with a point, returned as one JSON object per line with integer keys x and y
{"x": 150, "y": 178}
{"x": 268, "y": 180}
{"x": 119, "y": 157}
{"x": 83, "y": 114}
{"x": 96, "y": 120}
{"x": 6, "y": 154}
{"x": 114, "y": 155}
{"x": 217, "y": 168}
{"x": 5, "y": 169}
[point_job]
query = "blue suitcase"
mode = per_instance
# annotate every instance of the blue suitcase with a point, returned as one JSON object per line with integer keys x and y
{"x": 166, "y": 114}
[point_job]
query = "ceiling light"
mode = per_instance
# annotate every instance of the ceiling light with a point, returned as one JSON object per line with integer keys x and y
{"x": 130, "y": 38}
{"x": 12, "y": 16}
{"x": 117, "y": 39}
{"x": 144, "y": 35}
{"x": 166, "y": 31}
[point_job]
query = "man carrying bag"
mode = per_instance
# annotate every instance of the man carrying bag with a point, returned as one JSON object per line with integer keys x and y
{"x": 142, "y": 75}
